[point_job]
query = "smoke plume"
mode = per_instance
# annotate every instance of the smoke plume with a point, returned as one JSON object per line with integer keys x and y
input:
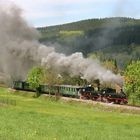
{"x": 18, "y": 44}
{"x": 20, "y": 51}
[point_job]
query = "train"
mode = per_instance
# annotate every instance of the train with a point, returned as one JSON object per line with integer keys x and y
{"x": 88, "y": 92}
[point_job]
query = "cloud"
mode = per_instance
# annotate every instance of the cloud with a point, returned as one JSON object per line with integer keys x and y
{"x": 60, "y": 1}
{"x": 39, "y": 11}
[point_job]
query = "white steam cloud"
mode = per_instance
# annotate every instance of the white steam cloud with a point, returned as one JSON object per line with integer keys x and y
{"x": 20, "y": 51}
{"x": 76, "y": 64}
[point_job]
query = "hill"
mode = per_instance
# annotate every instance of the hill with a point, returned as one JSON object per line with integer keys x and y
{"x": 109, "y": 38}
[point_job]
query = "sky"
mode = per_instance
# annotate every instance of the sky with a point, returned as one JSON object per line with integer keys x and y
{"x": 40, "y": 13}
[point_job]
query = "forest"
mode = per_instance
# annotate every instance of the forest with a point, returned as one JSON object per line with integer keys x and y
{"x": 109, "y": 38}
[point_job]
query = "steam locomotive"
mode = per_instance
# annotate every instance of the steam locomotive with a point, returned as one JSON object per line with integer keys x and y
{"x": 84, "y": 92}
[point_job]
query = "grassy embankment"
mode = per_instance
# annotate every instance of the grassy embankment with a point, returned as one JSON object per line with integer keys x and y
{"x": 45, "y": 119}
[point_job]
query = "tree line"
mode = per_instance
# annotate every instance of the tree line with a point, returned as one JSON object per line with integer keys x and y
{"x": 131, "y": 74}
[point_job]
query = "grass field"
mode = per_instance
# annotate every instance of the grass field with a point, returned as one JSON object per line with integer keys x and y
{"x": 27, "y": 118}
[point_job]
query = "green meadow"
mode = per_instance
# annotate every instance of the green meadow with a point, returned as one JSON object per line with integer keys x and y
{"x": 23, "y": 117}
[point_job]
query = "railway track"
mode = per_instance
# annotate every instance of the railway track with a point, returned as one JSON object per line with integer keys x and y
{"x": 135, "y": 106}
{"x": 129, "y": 107}
{"x": 108, "y": 104}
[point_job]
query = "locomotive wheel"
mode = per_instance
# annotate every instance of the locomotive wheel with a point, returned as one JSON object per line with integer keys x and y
{"x": 105, "y": 100}
{"x": 94, "y": 98}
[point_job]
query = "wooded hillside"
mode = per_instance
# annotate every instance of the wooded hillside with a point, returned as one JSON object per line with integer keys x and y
{"x": 109, "y": 38}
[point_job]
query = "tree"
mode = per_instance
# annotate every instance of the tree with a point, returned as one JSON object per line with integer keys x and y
{"x": 132, "y": 80}
{"x": 35, "y": 78}
{"x": 41, "y": 75}
{"x": 52, "y": 78}
{"x": 111, "y": 65}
